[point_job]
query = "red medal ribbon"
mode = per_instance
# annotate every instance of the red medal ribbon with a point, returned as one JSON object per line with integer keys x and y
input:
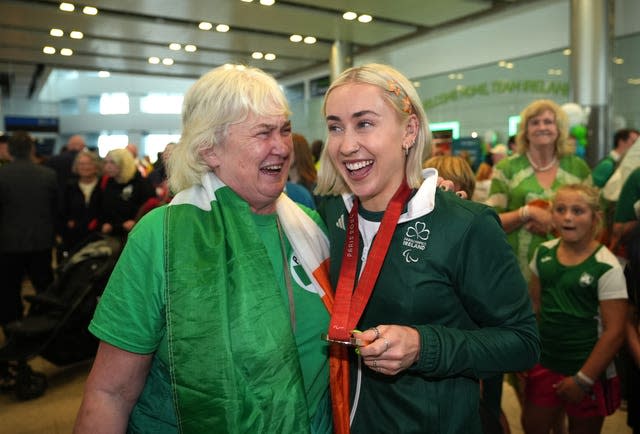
{"x": 349, "y": 305}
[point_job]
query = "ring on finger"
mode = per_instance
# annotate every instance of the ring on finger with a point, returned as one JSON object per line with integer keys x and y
{"x": 375, "y": 329}
{"x": 386, "y": 345}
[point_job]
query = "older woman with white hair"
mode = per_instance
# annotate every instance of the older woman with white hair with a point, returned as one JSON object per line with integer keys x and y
{"x": 212, "y": 317}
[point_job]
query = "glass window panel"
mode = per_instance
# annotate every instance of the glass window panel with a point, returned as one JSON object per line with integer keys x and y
{"x": 107, "y": 142}
{"x": 155, "y": 143}
{"x": 161, "y": 104}
{"x": 114, "y": 103}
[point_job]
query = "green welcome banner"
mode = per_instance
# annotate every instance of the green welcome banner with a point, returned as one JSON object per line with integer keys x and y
{"x": 499, "y": 87}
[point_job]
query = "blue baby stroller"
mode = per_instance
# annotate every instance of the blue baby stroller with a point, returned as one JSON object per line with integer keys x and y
{"x": 55, "y": 326}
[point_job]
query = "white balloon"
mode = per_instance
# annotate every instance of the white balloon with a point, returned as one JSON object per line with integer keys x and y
{"x": 575, "y": 113}
{"x": 619, "y": 122}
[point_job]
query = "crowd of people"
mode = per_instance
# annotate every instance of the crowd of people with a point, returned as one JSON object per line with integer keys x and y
{"x": 425, "y": 298}
{"x": 57, "y": 205}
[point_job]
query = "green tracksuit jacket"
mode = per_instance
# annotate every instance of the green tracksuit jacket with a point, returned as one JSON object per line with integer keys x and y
{"x": 450, "y": 273}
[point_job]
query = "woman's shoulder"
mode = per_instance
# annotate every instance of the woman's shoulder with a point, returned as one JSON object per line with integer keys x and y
{"x": 329, "y": 204}
{"x": 151, "y": 225}
{"x": 574, "y": 162}
{"x": 512, "y": 164}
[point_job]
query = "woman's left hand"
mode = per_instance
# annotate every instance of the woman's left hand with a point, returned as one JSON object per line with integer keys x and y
{"x": 391, "y": 348}
{"x": 540, "y": 221}
{"x": 569, "y": 390}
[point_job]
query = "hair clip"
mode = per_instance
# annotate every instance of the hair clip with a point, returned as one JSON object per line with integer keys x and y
{"x": 406, "y": 105}
{"x": 394, "y": 88}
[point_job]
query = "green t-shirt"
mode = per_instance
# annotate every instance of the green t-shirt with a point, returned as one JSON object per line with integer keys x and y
{"x": 603, "y": 171}
{"x": 131, "y": 316}
{"x": 570, "y": 320}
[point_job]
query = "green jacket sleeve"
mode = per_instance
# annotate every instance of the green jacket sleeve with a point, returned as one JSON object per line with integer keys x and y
{"x": 494, "y": 294}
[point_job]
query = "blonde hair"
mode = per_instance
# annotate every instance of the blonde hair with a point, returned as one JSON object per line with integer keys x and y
{"x": 455, "y": 169}
{"x": 224, "y": 96}
{"x": 537, "y": 108}
{"x": 125, "y": 162}
{"x": 404, "y": 99}
{"x": 591, "y": 196}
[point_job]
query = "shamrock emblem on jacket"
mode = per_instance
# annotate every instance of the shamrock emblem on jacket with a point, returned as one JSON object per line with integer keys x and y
{"x": 419, "y": 231}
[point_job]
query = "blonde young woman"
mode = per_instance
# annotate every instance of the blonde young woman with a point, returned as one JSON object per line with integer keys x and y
{"x": 437, "y": 313}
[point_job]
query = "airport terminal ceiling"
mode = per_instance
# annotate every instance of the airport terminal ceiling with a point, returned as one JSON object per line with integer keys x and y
{"x": 169, "y": 38}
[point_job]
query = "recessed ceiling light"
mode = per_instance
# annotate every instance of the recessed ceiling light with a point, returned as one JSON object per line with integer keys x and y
{"x": 618, "y": 60}
{"x": 76, "y": 35}
{"x": 566, "y": 51}
{"x": 257, "y": 55}
{"x": 222, "y": 28}
{"x": 349, "y": 15}
{"x": 66, "y": 51}
{"x": 451, "y": 76}
{"x": 416, "y": 84}
{"x": 89, "y": 10}
{"x": 295, "y": 38}
{"x": 364, "y": 18}
{"x": 269, "y": 56}
{"x": 190, "y": 48}
{"x": 104, "y": 74}
{"x": 509, "y": 65}
{"x": 459, "y": 76}
{"x": 56, "y": 32}
{"x": 633, "y": 80}
{"x": 205, "y": 26}
{"x": 267, "y": 2}
{"x": 309, "y": 40}
{"x": 175, "y": 46}
{"x": 502, "y": 64}
{"x": 167, "y": 61}
{"x": 49, "y": 50}
{"x": 67, "y": 7}
{"x": 154, "y": 60}
{"x": 247, "y": 1}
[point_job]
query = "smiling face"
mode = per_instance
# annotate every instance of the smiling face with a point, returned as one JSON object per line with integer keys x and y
{"x": 573, "y": 218}
{"x": 542, "y": 130}
{"x": 365, "y": 142}
{"x": 254, "y": 160}
{"x": 86, "y": 167}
